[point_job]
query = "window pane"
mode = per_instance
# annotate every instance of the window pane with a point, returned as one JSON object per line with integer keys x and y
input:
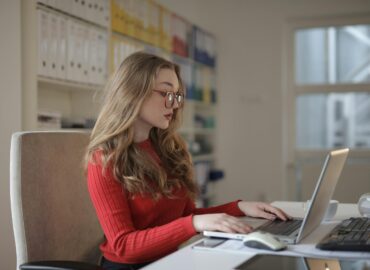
{"x": 310, "y": 56}
{"x": 353, "y": 54}
{"x": 333, "y": 55}
{"x": 333, "y": 120}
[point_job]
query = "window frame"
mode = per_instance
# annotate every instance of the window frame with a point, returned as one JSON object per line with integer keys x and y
{"x": 293, "y": 157}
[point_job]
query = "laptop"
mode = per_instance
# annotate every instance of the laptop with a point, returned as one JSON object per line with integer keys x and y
{"x": 293, "y": 231}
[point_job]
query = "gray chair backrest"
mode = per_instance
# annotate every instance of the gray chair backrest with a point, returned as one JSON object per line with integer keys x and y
{"x": 53, "y": 218}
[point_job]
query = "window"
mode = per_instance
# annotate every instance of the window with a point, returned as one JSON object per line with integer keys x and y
{"x": 332, "y": 86}
{"x": 327, "y": 103}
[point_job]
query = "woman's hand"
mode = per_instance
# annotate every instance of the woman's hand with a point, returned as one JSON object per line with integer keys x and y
{"x": 220, "y": 222}
{"x": 262, "y": 210}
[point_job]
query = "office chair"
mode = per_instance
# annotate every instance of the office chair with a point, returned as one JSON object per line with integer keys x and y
{"x": 55, "y": 226}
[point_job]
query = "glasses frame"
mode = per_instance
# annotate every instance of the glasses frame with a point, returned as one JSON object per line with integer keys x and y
{"x": 170, "y": 98}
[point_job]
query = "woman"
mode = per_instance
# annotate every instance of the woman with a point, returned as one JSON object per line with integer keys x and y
{"x": 140, "y": 173}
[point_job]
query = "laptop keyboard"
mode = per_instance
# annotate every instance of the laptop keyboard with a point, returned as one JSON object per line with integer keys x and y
{"x": 281, "y": 227}
{"x": 351, "y": 235}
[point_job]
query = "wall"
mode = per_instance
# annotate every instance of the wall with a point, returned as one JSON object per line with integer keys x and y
{"x": 10, "y": 115}
{"x": 250, "y": 72}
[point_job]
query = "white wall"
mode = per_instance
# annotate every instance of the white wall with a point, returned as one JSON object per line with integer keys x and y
{"x": 10, "y": 115}
{"x": 250, "y": 71}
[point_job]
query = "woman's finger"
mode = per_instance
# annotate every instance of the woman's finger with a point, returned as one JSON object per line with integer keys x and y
{"x": 235, "y": 225}
{"x": 276, "y": 211}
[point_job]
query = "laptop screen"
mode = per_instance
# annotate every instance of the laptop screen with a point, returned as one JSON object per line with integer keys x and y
{"x": 324, "y": 190}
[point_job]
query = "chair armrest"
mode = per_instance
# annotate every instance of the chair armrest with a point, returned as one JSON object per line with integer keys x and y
{"x": 59, "y": 265}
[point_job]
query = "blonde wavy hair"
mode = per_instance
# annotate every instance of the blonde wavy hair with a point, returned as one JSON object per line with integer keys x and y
{"x": 113, "y": 133}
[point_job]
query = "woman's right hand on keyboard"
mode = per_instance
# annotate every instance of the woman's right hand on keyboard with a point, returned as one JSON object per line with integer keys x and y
{"x": 220, "y": 222}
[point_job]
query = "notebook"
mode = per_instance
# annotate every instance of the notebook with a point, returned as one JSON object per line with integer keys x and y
{"x": 300, "y": 228}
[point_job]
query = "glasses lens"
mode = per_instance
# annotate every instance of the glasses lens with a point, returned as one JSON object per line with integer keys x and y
{"x": 170, "y": 99}
{"x": 180, "y": 99}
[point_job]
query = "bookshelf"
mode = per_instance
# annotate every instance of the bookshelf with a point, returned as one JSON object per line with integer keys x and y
{"x": 70, "y": 47}
{"x": 51, "y": 87}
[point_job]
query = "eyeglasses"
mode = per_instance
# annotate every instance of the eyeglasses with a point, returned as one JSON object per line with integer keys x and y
{"x": 170, "y": 98}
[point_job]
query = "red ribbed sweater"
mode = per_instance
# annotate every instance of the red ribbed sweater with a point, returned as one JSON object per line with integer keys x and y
{"x": 139, "y": 229}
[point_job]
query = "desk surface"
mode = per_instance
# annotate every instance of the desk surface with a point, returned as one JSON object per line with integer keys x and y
{"x": 188, "y": 258}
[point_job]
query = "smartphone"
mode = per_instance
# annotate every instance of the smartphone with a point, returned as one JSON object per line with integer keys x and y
{"x": 207, "y": 243}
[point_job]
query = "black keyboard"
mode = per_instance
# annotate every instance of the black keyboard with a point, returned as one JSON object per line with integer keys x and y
{"x": 350, "y": 235}
{"x": 281, "y": 227}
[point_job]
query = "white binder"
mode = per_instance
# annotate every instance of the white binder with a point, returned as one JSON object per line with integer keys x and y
{"x": 81, "y": 9}
{"x": 104, "y": 18}
{"x": 85, "y": 31}
{"x": 62, "y": 48}
{"x": 88, "y": 10}
{"x": 65, "y": 5}
{"x": 71, "y": 51}
{"x": 43, "y": 32}
{"x": 75, "y": 8}
{"x": 102, "y": 57}
{"x": 93, "y": 55}
{"x": 95, "y": 10}
{"x": 53, "y": 44}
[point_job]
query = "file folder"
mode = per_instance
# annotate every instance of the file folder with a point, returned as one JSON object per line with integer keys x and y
{"x": 43, "y": 36}
{"x": 85, "y": 60}
{"x": 93, "y": 56}
{"x": 61, "y": 48}
{"x": 53, "y": 24}
{"x": 71, "y": 50}
{"x": 102, "y": 57}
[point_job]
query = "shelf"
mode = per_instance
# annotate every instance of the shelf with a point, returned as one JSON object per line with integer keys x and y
{"x": 205, "y": 157}
{"x": 202, "y": 104}
{"x": 204, "y": 131}
{"x": 197, "y": 131}
{"x": 64, "y": 85}
{"x": 84, "y": 130}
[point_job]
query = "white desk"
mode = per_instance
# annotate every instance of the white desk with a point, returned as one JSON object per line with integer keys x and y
{"x": 188, "y": 258}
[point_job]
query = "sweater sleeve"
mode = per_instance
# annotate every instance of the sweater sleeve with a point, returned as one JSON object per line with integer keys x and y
{"x": 128, "y": 243}
{"x": 230, "y": 208}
